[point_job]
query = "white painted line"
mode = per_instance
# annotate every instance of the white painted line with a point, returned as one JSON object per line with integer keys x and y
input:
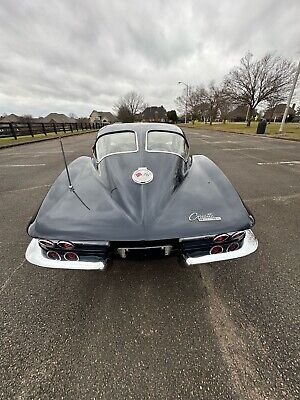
{"x": 21, "y": 165}
{"x": 6, "y": 283}
{"x": 279, "y": 163}
{"x": 24, "y": 189}
{"x": 224, "y": 141}
{"x": 244, "y": 148}
{"x": 274, "y": 198}
{"x": 36, "y": 153}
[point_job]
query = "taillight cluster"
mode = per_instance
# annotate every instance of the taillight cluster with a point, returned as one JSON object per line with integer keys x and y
{"x": 51, "y": 247}
{"x": 221, "y": 245}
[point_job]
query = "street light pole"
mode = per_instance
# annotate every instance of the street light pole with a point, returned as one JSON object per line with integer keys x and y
{"x": 186, "y": 99}
{"x": 289, "y": 99}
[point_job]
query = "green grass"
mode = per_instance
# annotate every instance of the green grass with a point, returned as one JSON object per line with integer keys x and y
{"x": 291, "y": 130}
{"x": 39, "y": 136}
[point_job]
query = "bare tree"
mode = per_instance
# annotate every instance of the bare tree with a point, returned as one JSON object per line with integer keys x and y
{"x": 25, "y": 118}
{"x": 272, "y": 103}
{"x": 257, "y": 81}
{"x": 193, "y": 101}
{"x": 132, "y": 102}
{"x": 225, "y": 105}
{"x": 212, "y": 96}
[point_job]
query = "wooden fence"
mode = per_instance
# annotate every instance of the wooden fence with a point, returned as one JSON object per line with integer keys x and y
{"x": 15, "y": 130}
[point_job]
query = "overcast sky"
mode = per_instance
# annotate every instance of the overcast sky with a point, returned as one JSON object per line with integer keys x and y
{"x": 76, "y": 56}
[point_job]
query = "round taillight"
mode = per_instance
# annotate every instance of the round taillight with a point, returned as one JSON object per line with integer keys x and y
{"x": 71, "y": 256}
{"x": 46, "y": 244}
{"x": 233, "y": 246}
{"x": 65, "y": 245}
{"x": 53, "y": 255}
{"x": 221, "y": 238}
{"x": 216, "y": 250}
{"x": 238, "y": 235}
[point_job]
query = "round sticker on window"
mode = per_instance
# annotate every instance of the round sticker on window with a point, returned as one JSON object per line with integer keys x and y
{"x": 142, "y": 175}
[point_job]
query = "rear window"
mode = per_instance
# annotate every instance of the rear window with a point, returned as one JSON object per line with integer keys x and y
{"x": 167, "y": 142}
{"x": 114, "y": 143}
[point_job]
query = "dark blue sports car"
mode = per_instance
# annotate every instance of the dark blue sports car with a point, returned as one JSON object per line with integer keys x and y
{"x": 140, "y": 193}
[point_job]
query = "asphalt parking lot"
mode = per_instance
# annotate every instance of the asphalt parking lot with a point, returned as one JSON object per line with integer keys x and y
{"x": 150, "y": 329}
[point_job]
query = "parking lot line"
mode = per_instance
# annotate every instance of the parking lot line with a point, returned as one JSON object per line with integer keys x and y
{"x": 5, "y": 284}
{"x": 24, "y": 189}
{"x": 21, "y": 165}
{"x": 36, "y": 153}
{"x": 274, "y": 198}
{"x": 279, "y": 163}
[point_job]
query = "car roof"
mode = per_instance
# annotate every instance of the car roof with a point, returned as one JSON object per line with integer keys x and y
{"x": 140, "y": 128}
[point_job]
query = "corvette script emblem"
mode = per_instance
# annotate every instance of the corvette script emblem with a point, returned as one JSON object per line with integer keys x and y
{"x": 203, "y": 217}
{"x": 142, "y": 175}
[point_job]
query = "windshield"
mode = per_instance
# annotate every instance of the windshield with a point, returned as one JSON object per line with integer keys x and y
{"x": 114, "y": 143}
{"x": 167, "y": 142}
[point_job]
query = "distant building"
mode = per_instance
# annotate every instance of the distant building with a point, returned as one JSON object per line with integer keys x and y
{"x": 239, "y": 114}
{"x": 275, "y": 114}
{"x": 154, "y": 114}
{"x": 105, "y": 117}
{"x": 50, "y": 118}
{"x": 58, "y": 118}
{"x": 10, "y": 118}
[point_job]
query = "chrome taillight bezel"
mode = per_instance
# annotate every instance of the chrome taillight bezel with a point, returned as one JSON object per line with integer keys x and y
{"x": 55, "y": 252}
{"x": 71, "y": 252}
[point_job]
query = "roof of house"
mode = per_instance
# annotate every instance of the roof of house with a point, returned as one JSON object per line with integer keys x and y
{"x": 239, "y": 111}
{"x": 10, "y": 118}
{"x": 58, "y": 118}
{"x": 278, "y": 110}
{"x": 154, "y": 112}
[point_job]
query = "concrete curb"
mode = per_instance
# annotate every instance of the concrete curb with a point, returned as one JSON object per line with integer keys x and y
{"x": 45, "y": 139}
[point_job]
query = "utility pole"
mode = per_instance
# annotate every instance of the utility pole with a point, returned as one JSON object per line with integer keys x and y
{"x": 186, "y": 99}
{"x": 289, "y": 99}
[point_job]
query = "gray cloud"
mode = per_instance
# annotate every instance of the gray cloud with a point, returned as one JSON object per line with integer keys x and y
{"x": 73, "y": 56}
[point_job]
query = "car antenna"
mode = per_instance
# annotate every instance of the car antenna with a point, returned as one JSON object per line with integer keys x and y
{"x": 71, "y": 187}
{"x": 66, "y": 165}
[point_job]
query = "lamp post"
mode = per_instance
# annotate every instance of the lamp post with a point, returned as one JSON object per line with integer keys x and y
{"x": 187, "y": 95}
{"x": 289, "y": 99}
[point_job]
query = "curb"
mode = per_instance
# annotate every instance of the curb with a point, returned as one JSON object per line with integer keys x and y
{"x": 45, "y": 139}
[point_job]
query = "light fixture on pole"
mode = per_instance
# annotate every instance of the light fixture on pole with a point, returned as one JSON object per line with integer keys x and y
{"x": 186, "y": 99}
{"x": 289, "y": 99}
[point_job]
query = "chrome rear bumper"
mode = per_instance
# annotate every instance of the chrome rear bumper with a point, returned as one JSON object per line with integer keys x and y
{"x": 250, "y": 244}
{"x": 35, "y": 256}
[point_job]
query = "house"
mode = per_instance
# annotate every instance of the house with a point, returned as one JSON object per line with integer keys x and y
{"x": 154, "y": 114}
{"x": 239, "y": 114}
{"x": 105, "y": 117}
{"x": 275, "y": 114}
{"x": 10, "y": 118}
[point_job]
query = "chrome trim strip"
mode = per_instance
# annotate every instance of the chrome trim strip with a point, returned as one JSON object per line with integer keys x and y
{"x": 249, "y": 246}
{"x": 35, "y": 256}
{"x": 203, "y": 236}
{"x": 143, "y": 248}
{"x": 195, "y": 238}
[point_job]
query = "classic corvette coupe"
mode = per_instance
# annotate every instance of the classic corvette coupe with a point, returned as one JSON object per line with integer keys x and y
{"x": 141, "y": 193}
